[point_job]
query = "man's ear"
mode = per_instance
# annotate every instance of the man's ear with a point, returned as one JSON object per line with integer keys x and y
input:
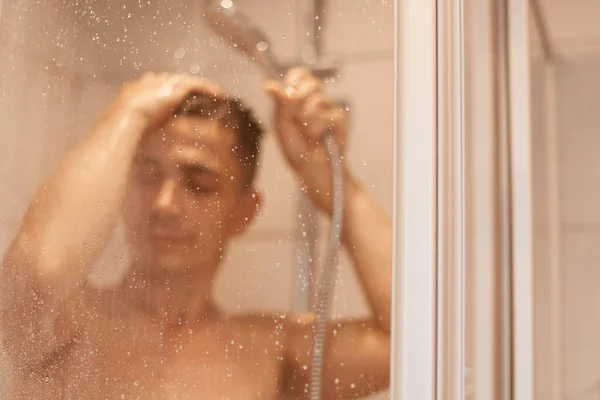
{"x": 248, "y": 209}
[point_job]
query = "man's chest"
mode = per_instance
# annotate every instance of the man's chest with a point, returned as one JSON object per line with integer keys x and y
{"x": 196, "y": 363}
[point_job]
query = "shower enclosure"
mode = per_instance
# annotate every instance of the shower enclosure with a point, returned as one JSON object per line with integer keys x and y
{"x": 490, "y": 118}
{"x": 64, "y": 62}
{"x": 461, "y": 115}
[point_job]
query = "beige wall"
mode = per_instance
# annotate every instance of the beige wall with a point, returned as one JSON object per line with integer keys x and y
{"x": 54, "y": 86}
{"x": 579, "y": 175}
{"x": 579, "y": 102}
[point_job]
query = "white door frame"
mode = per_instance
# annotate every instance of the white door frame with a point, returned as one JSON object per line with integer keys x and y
{"x": 431, "y": 276}
{"x": 518, "y": 20}
{"x": 415, "y": 202}
{"x": 531, "y": 380}
{"x": 487, "y": 211}
{"x": 451, "y": 373}
{"x": 428, "y": 215}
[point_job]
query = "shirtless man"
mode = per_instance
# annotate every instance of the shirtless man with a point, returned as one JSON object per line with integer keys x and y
{"x": 175, "y": 158}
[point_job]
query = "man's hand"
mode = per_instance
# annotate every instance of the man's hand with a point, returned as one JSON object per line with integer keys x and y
{"x": 153, "y": 98}
{"x": 303, "y": 116}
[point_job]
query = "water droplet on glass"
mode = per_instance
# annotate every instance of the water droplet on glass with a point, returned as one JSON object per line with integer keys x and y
{"x": 194, "y": 68}
{"x": 180, "y": 53}
{"x": 226, "y": 4}
{"x": 262, "y": 46}
{"x": 337, "y": 380}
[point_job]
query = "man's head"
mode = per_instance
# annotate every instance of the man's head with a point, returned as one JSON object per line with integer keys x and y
{"x": 191, "y": 187}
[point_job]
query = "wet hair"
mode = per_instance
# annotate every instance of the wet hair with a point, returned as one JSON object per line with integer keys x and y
{"x": 233, "y": 115}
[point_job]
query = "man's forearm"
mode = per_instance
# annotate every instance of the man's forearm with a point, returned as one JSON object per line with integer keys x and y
{"x": 367, "y": 236}
{"x": 75, "y": 211}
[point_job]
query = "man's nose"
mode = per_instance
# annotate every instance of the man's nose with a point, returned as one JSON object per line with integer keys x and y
{"x": 166, "y": 198}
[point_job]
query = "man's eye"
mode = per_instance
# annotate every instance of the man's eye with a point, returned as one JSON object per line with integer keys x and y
{"x": 147, "y": 175}
{"x": 202, "y": 182}
{"x": 199, "y": 186}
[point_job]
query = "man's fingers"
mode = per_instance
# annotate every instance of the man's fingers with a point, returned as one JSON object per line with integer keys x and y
{"x": 316, "y": 118}
{"x": 169, "y": 83}
{"x": 276, "y": 90}
{"x": 195, "y": 83}
{"x": 298, "y": 75}
{"x": 306, "y": 89}
{"x": 301, "y": 101}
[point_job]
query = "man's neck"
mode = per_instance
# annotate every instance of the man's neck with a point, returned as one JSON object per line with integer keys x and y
{"x": 173, "y": 300}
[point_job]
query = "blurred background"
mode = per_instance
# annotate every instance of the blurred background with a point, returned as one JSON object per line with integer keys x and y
{"x": 565, "y": 104}
{"x": 63, "y": 61}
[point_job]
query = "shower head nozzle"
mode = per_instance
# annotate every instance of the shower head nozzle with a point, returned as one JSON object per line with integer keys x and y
{"x": 233, "y": 27}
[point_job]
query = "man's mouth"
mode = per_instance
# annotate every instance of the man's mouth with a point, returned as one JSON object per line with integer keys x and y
{"x": 166, "y": 241}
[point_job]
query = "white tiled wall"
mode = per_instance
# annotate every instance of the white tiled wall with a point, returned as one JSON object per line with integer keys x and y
{"x": 579, "y": 127}
{"x": 115, "y": 43}
{"x": 360, "y": 29}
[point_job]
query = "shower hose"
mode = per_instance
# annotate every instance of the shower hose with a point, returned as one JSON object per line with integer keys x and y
{"x": 240, "y": 31}
{"x": 326, "y": 288}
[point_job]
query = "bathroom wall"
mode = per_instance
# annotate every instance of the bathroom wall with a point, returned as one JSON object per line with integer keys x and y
{"x": 579, "y": 124}
{"x": 578, "y": 100}
{"x": 37, "y": 94}
{"x": 58, "y": 76}
{"x": 579, "y": 215}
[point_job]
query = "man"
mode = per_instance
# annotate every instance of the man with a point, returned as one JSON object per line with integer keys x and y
{"x": 175, "y": 158}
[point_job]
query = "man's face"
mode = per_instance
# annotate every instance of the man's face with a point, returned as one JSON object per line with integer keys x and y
{"x": 186, "y": 196}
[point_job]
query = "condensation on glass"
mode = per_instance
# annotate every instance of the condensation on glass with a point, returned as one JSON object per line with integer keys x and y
{"x": 63, "y": 63}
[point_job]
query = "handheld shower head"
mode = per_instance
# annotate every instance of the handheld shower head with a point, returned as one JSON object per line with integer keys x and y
{"x": 234, "y": 27}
